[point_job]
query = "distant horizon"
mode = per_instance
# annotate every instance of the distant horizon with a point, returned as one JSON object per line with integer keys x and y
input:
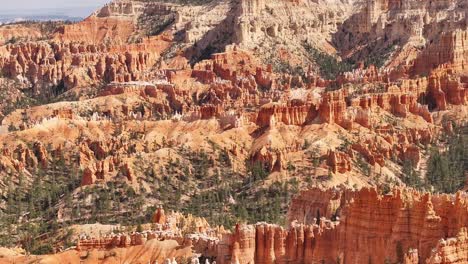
{"x": 51, "y": 7}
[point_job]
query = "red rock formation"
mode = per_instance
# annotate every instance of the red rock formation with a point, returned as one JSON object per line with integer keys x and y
{"x": 98, "y": 30}
{"x": 333, "y": 107}
{"x": 64, "y": 113}
{"x": 127, "y": 171}
{"x": 451, "y": 250}
{"x": 152, "y": 78}
{"x": 100, "y": 170}
{"x": 239, "y": 247}
{"x": 315, "y": 202}
{"x": 444, "y": 89}
{"x": 412, "y": 154}
{"x": 234, "y": 62}
{"x": 269, "y": 159}
{"x": 265, "y": 243}
{"x": 339, "y": 162}
{"x": 159, "y": 217}
{"x": 378, "y": 227}
{"x": 411, "y": 257}
{"x": 451, "y": 51}
{"x": 17, "y": 32}
{"x": 101, "y": 161}
{"x": 25, "y": 156}
{"x": 372, "y": 155}
{"x": 113, "y": 241}
{"x": 404, "y": 226}
{"x": 79, "y": 64}
{"x": 297, "y": 115}
{"x": 115, "y": 22}
{"x": 41, "y": 154}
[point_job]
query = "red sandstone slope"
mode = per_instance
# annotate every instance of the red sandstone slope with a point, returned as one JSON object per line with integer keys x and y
{"x": 155, "y": 251}
{"x": 371, "y": 228}
{"x": 381, "y": 125}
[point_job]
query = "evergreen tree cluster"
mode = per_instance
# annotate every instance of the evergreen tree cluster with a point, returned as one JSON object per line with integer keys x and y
{"x": 329, "y": 66}
{"x": 31, "y": 206}
{"x": 447, "y": 169}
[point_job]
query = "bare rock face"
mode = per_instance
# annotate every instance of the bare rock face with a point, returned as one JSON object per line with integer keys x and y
{"x": 98, "y": 30}
{"x": 297, "y": 115}
{"x": 401, "y": 29}
{"x": 391, "y": 224}
{"x": 164, "y": 227}
{"x": 404, "y": 226}
{"x": 12, "y": 33}
{"x": 315, "y": 203}
{"x": 333, "y": 107}
{"x": 266, "y": 243}
{"x": 339, "y": 162}
{"x": 115, "y": 22}
{"x": 450, "y": 51}
{"x": 159, "y": 217}
{"x": 242, "y": 243}
{"x": 451, "y": 250}
{"x": 444, "y": 90}
{"x": 24, "y": 157}
{"x": 269, "y": 159}
{"x": 101, "y": 161}
{"x": 267, "y": 24}
{"x": 46, "y": 66}
{"x": 229, "y": 88}
{"x": 41, "y": 153}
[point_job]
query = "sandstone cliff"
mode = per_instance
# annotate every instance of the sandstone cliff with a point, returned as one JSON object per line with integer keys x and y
{"x": 379, "y": 227}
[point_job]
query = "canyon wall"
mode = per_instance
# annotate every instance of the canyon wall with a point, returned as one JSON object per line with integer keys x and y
{"x": 407, "y": 34}
{"x": 450, "y": 51}
{"x": 404, "y": 226}
{"x": 45, "y": 65}
{"x": 377, "y": 227}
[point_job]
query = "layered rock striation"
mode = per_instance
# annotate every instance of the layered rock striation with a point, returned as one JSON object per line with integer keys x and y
{"x": 404, "y": 226}
{"x": 379, "y": 227}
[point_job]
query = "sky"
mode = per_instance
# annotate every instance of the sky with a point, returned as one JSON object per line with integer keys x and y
{"x": 72, "y": 7}
{"x": 41, "y": 4}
